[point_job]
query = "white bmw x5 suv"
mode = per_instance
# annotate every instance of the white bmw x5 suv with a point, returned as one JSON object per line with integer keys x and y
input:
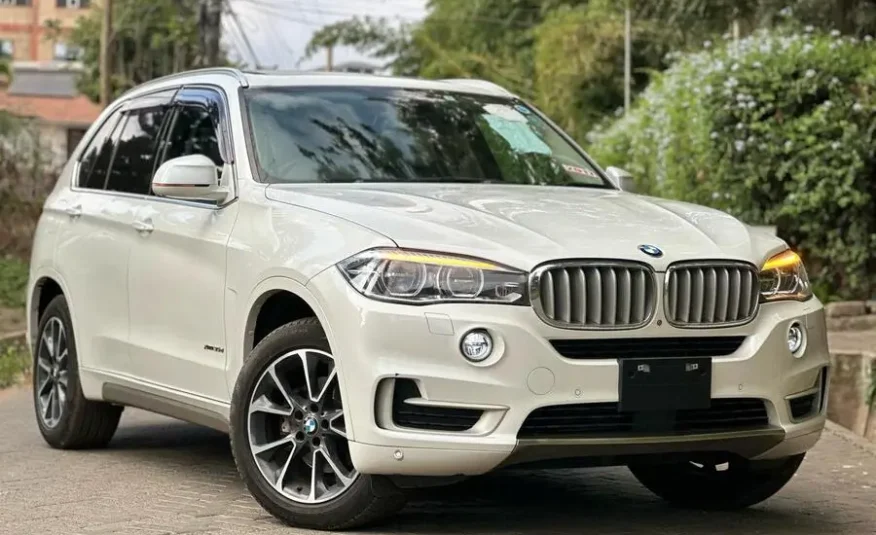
{"x": 374, "y": 283}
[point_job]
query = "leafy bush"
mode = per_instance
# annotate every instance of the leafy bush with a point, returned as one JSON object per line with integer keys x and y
{"x": 778, "y": 131}
{"x": 14, "y": 363}
{"x": 27, "y": 175}
{"x": 13, "y": 280}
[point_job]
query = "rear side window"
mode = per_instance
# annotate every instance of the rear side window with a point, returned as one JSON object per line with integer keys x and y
{"x": 134, "y": 162}
{"x": 96, "y": 158}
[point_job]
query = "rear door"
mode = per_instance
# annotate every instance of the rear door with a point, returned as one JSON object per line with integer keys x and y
{"x": 97, "y": 234}
{"x": 177, "y": 270}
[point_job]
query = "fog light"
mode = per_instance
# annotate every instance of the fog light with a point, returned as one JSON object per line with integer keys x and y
{"x": 476, "y": 345}
{"x": 796, "y": 338}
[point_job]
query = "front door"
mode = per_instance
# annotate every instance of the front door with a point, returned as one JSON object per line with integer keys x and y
{"x": 91, "y": 252}
{"x": 176, "y": 274}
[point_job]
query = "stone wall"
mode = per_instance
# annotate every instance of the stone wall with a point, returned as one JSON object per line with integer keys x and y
{"x": 850, "y": 392}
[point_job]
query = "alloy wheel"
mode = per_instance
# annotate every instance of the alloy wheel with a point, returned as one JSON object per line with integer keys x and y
{"x": 52, "y": 372}
{"x": 296, "y": 428}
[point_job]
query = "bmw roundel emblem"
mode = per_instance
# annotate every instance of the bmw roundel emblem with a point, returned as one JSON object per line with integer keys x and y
{"x": 651, "y": 250}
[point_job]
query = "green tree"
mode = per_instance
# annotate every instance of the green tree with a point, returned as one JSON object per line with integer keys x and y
{"x": 779, "y": 130}
{"x": 567, "y": 55}
{"x": 149, "y": 39}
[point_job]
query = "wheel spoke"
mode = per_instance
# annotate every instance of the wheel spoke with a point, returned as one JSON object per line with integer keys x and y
{"x": 313, "y": 475}
{"x": 263, "y": 404}
{"x": 343, "y": 477}
{"x": 337, "y": 425}
{"x": 48, "y": 407}
{"x": 41, "y": 391}
{"x": 309, "y": 376}
{"x": 282, "y": 477}
{"x": 60, "y": 397}
{"x": 62, "y": 355}
{"x": 259, "y": 449}
{"x": 62, "y": 380}
{"x": 47, "y": 342}
{"x": 56, "y": 413}
{"x": 325, "y": 388}
{"x": 43, "y": 366}
{"x": 56, "y": 336}
{"x": 280, "y": 386}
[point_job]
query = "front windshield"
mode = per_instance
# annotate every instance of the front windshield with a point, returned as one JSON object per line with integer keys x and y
{"x": 375, "y": 134}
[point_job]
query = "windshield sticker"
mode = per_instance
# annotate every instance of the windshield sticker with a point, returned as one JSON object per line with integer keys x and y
{"x": 580, "y": 170}
{"x": 519, "y": 135}
{"x": 505, "y": 112}
{"x": 522, "y": 109}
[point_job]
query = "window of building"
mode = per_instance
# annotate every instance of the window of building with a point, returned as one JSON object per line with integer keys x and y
{"x": 134, "y": 162}
{"x": 96, "y": 158}
{"x": 73, "y": 4}
{"x": 7, "y": 48}
{"x": 66, "y": 52}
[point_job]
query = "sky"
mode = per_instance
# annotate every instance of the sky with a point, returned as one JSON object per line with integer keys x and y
{"x": 279, "y": 30}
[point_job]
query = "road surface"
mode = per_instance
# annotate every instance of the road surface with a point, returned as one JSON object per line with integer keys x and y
{"x": 160, "y": 476}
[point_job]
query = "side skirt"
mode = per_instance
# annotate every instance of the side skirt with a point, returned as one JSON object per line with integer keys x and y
{"x": 123, "y": 395}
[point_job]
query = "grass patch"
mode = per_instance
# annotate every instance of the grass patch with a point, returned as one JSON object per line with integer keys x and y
{"x": 14, "y": 363}
{"x": 13, "y": 282}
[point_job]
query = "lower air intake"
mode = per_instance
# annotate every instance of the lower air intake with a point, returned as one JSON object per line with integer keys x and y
{"x": 604, "y": 419}
{"x": 428, "y": 418}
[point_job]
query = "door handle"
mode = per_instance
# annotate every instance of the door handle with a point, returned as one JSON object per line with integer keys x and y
{"x": 143, "y": 226}
{"x": 74, "y": 211}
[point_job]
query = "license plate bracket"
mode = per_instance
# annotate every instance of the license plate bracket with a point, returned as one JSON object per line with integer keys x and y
{"x": 668, "y": 384}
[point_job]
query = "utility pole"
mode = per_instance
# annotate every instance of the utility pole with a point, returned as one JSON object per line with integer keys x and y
{"x": 105, "y": 60}
{"x": 249, "y": 48}
{"x": 329, "y": 50}
{"x": 210, "y": 29}
{"x": 628, "y": 56}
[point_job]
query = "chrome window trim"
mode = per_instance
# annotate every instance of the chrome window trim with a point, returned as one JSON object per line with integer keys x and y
{"x": 709, "y": 263}
{"x": 125, "y": 105}
{"x": 535, "y": 292}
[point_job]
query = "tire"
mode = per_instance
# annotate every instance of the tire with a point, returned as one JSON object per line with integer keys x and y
{"x": 744, "y": 483}
{"x": 65, "y": 418}
{"x": 362, "y": 499}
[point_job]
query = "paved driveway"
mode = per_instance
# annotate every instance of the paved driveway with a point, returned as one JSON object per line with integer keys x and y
{"x": 160, "y": 476}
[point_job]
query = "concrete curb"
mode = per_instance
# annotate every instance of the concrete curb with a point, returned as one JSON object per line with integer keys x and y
{"x": 12, "y": 336}
{"x": 850, "y": 437}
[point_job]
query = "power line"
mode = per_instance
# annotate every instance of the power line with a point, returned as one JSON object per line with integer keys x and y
{"x": 242, "y": 33}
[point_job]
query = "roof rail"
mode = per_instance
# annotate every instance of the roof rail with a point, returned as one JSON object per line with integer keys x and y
{"x": 236, "y": 73}
{"x": 482, "y": 84}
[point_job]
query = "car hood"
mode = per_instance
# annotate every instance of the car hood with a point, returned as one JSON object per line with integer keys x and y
{"x": 522, "y": 226}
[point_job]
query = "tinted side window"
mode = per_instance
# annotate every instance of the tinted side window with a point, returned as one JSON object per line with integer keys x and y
{"x": 134, "y": 162}
{"x": 96, "y": 158}
{"x": 193, "y": 132}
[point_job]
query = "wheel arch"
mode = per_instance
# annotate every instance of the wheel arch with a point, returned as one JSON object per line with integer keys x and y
{"x": 255, "y": 305}
{"x": 275, "y": 301}
{"x": 46, "y": 285}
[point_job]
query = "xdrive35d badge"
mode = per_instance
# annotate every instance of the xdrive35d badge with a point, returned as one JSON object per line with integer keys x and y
{"x": 375, "y": 309}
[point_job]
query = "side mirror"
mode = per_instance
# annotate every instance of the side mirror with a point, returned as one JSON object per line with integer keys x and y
{"x": 192, "y": 178}
{"x": 623, "y": 179}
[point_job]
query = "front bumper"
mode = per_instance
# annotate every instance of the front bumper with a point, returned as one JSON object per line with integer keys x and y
{"x": 375, "y": 341}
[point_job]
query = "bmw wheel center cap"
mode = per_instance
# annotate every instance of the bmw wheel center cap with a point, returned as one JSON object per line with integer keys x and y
{"x": 310, "y": 426}
{"x": 651, "y": 250}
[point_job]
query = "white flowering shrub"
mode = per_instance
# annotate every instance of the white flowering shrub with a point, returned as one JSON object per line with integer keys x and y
{"x": 778, "y": 130}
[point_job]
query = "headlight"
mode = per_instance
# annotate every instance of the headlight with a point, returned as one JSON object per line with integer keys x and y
{"x": 421, "y": 278}
{"x": 784, "y": 277}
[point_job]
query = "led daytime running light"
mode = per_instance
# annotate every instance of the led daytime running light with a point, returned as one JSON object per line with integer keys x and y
{"x": 782, "y": 260}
